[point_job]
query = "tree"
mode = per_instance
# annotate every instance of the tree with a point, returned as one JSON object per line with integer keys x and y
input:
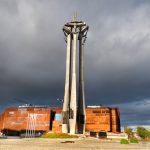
{"x": 128, "y": 130}
{"x": 143, "y": 133}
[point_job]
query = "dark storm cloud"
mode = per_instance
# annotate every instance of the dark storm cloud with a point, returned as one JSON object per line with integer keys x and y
{"x": 33, "y": 51}
{"x": 135, "y": 113}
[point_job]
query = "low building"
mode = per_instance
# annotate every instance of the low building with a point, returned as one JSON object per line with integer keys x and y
{"x": 30, "y": 120}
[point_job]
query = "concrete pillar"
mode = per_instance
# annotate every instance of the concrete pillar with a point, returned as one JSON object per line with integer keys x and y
{"x": 65, "y": 113}
{"x": 73, "y": 100}
{"x": 81, "y": 98}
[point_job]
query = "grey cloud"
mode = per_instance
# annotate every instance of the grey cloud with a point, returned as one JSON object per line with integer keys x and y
{"x": 33, "y": 51}
{"x": 135, "y": 113}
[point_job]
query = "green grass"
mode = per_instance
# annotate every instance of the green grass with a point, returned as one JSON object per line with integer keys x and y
{"x": 58, "y": 135}
{"x": 124, "y": 141}
{"x": 133, "y": 140}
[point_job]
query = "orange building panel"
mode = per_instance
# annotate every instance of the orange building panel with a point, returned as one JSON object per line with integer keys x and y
{"x": 25, "y": 119}
{"x": 57, "y": 126}
{"x": 101, "y": 119}
{"x": 98, "y": 119}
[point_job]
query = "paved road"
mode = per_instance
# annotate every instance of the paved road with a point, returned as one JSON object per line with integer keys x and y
{"x": 59, "y": 144}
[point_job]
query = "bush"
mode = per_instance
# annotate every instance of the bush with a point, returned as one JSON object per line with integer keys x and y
{"x": 58, "y": 135}
{"x": 124, "y": 141}
{"x": 133, "y": 140}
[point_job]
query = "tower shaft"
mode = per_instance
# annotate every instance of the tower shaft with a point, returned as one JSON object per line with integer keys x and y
{"x": 65, "y": 114}
{"x": 73, "y": 99}
{"x": 81, "y": 97}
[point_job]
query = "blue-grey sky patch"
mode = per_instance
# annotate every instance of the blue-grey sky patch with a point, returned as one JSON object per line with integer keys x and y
{"x": 117, "y": 52}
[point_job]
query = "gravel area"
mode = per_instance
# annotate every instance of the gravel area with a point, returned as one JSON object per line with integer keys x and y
{"x": 68, "y": 144}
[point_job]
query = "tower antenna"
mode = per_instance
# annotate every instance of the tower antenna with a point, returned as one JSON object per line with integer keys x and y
{"x": 75, "y": 16}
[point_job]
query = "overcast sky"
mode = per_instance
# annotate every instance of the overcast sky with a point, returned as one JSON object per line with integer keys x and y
{"x": 117, "y": 53}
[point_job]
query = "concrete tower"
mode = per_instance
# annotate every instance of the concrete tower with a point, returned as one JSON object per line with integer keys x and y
{"x": 73, "y": 112}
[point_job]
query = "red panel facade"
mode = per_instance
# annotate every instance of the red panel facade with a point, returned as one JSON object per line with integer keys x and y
{"x": 101, "y": 119}
{"x": 98, "y": 119}
{"x": 18, "y": 119}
